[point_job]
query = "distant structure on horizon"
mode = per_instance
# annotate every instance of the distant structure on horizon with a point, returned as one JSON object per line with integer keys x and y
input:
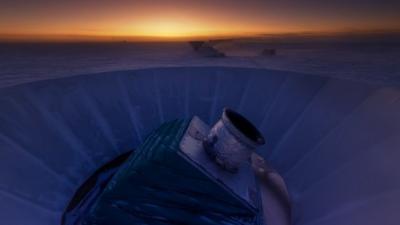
{"x": 268, "y": 52}
{"x": 204, "y": 48}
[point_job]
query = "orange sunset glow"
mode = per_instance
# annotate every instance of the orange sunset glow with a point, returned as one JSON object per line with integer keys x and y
{"x": 103, "y": 20}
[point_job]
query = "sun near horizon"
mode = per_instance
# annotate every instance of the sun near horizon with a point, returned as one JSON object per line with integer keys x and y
{"x": 183, "y": 20}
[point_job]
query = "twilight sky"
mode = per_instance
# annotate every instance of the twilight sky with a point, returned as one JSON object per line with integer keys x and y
{"x": 179, "y": 18}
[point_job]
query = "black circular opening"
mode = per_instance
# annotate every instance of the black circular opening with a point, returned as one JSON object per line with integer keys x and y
{"x": 244, "y": 126}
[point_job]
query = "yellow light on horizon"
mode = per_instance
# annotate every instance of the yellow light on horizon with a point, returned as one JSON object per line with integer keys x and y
{"x": 168, "y": 29}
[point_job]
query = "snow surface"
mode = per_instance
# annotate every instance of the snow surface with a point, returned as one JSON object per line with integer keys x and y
{"x": 370, "y": 62}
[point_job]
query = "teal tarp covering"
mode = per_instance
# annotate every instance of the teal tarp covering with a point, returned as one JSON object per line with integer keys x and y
{"x": 157, "y": 186}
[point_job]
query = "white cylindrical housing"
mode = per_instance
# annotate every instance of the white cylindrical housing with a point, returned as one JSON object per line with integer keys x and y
{"x": 231, "y": 140}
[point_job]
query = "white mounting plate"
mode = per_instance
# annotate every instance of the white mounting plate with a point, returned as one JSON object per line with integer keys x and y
{"x": 241, "y": 184}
